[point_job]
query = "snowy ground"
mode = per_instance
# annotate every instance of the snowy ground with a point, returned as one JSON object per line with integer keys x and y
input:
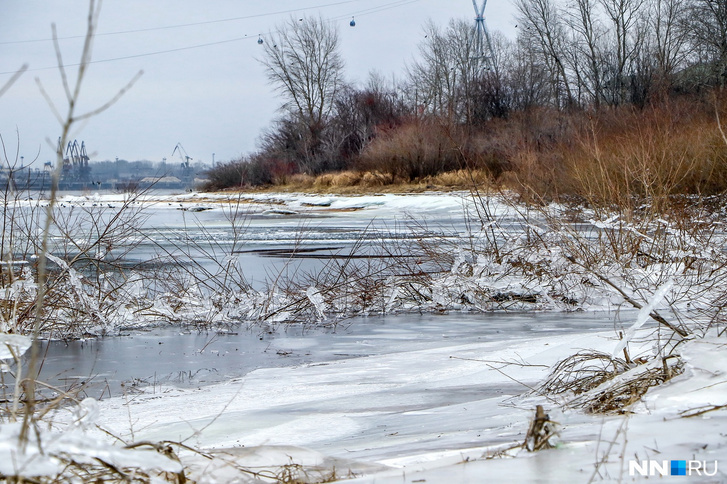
{"x": 434, "y": 414}
{"x": 438, "y": 411}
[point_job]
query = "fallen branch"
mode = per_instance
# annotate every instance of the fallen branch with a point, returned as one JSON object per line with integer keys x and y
{"x": 696, "y": 412}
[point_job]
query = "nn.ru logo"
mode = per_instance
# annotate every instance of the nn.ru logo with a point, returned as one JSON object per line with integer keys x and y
{"x": 672, "y": 468}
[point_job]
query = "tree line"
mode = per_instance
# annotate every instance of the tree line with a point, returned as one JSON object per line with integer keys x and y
{"x": 571, "y": 62}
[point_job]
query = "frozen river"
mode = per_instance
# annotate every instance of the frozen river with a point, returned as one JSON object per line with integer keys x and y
{"x": 441, "y": 396}
{"x": 286, "y": 233}
{"x": 164, "y": 357}
{"x": 272, "y": 235}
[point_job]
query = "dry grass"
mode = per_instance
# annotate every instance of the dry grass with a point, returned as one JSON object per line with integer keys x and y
{"x": 601, "y": 383}
{"x": 460, "y": 179}
{"x": 650, "y": 155}
{"x": 358, "y": 182}
{"x": 619, "y": 157}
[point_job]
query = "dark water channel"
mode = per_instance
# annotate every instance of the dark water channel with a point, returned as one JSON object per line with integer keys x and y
{"x": 169, "y": 357}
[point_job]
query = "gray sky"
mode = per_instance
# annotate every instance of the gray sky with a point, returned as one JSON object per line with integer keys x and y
{"x": 212, "y": 99}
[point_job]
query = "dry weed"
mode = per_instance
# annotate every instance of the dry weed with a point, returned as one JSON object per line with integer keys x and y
{"x": 582, "y": 372}
{"x": 461, "y": 178}
{"x": 376, "y": 179}
{"x": 602, "y": 383}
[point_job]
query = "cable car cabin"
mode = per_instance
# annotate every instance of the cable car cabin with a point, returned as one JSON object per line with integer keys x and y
{"x": 260, "y": 40}
{"x": 352, "y": 23}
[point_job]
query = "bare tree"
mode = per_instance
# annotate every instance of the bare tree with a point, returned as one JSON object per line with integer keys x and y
{"x": 494, "y": 93}
{"x": 668, "y": 39}
{"x": 433, "y": 78}
{"x": 542, "y": 22}
{"x": 446, "y": 77}
{"x": 361, "y": 112}
{"x": 707, "y": 28}
{"x": 527, "y": 75}
{"x": 626, "y": 43}
{"x": 303, "y": 62}
{"x": 587, "y": 57}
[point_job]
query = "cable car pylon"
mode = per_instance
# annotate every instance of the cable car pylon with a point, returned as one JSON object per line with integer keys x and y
{"x": 484, "y": 55}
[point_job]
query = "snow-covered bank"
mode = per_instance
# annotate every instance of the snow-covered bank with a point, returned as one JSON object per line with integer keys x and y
{"x": 384, "y": 205}
{"x": 438, "y": 414}
{"x": 427, "y": 406}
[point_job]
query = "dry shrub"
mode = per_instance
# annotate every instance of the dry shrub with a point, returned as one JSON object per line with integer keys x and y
{"x": 619, "y": 396}
{"x": 461, "y": 178}
{"x": 534, "y": 175}
{"x": 415, "y": 150}
{"x": 627, "y": 155}
{"x": 582, "y": 372}
{"x": 422, "y": 150}
{"x": 602, "y": 383}
{"x": 616, "y": 156}
{"x": 521, "y": 153}
{"x": 226, "y": 175}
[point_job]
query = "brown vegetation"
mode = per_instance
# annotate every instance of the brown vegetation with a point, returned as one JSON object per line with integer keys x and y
{"x": 615, "y": 156}
{"x": 587, "y": 102}
{"x": 601, "y": 383}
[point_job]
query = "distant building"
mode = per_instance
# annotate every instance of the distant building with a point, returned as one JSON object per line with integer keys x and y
{"x": 161, "y": 182}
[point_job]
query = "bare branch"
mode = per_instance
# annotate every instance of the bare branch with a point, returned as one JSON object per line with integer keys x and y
{"x": 50, "y": 102}
{"x": 13, "y": 78}
{"x": 112, "y": 101}
{"x": 61, "y": 66}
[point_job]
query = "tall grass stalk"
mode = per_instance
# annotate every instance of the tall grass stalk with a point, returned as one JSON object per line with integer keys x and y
{"x": 73, "y": 92}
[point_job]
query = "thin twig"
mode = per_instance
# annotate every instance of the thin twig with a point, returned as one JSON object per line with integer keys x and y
{"x": 13, "y": 79}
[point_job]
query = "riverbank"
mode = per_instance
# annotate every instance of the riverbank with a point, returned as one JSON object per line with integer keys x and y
{"x": 359, "y": 182}
{"x": 440, "y": 412}
{"x": 433, "y": 406}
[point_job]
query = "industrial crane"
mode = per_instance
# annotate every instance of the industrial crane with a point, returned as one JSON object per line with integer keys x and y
{"x": 184, "y": 157}
{"x": 75, "y": 160}
{"x": 187, "y": 171}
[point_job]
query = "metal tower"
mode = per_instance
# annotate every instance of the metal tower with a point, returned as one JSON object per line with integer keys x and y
{"x": 483, "y": 53}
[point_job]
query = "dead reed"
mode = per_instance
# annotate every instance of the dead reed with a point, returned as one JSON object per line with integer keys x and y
{"x": 600, "y": 383}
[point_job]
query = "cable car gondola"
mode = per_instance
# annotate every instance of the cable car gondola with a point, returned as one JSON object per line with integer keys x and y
{"x": 260, "y": 41}
{"x": 352, "y": 23}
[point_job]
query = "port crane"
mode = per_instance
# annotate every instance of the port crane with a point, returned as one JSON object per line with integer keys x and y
{"x": 182, "y": 155}
{"x": 75, "y": 159}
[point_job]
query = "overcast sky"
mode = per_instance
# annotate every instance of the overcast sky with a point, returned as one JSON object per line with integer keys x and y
{"x": 213, "y": 98}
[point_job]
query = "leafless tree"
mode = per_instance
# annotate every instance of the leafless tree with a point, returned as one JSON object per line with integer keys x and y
{"x": 668, "y": 38}
{"x": 445, "y": 78}
{"x": 433, "y": 78}
{"x": 361, "y": 112}
{"x": 707, "y": 27}
{"x": 544, "y": 26}
{"x": 303, "y": 62}
{"x": 626, "y": 43}
{"x": 528, "y": 76}
{"x": 495, "y": 89}
{"x": 587, "y": 56}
